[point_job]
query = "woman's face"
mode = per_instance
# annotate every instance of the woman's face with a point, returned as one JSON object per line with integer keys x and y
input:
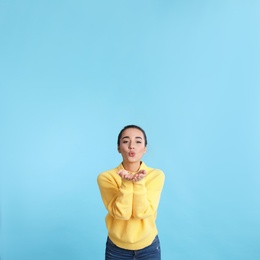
{"x": 132, "y": 145}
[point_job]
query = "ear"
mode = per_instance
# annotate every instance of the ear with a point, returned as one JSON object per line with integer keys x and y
{"x": 145, "y": 149}
{"x": 118, "y": 149}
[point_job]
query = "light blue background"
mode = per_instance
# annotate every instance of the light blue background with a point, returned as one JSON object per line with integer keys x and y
{"x": 73, "y": 73}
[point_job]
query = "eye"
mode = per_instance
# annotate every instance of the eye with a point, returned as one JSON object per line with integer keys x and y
{"x": 125, "y": 142}
{"x": 138, "y": 142}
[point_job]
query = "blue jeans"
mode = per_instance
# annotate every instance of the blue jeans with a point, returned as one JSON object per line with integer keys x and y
{"x": 151, "y": 252}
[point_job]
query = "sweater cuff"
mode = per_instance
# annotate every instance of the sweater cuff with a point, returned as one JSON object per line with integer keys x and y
{"x": 127, "y": 185}
{"x": 139, "y": 185}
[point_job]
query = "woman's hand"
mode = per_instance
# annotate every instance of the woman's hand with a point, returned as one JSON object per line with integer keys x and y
{"x": 125, "y": 175}
{"x": 139, "y": 176}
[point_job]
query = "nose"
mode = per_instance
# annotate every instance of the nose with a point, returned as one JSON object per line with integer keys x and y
{"x": 131, "y": 145}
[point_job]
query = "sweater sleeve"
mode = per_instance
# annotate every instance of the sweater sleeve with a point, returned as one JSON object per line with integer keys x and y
{"x": 118, "y": 200}
{"x": 147, "y": 196}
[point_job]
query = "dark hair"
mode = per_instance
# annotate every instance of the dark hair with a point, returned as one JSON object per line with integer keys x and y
{"x": 131, "y": 126}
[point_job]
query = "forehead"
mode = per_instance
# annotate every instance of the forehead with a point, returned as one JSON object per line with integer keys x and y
{"x": 132, "y": 132}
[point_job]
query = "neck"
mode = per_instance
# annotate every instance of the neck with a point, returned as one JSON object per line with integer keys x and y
{"x": 132, "y": 167}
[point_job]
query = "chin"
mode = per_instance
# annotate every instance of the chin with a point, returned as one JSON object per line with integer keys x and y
{"x": 134, "y": 160}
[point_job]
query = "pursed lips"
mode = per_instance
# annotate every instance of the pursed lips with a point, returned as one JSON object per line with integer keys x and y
{"x": 131, "y": 154}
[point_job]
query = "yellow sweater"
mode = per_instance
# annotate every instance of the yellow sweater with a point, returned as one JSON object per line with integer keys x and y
{"x": 132, "y": 207}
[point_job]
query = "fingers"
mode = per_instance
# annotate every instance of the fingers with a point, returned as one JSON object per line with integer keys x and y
{"x": 122, "y": 172}
{"x": 142, "y": 172}
{"x": 125, "y": 174}
{"x": 139, "y": 176}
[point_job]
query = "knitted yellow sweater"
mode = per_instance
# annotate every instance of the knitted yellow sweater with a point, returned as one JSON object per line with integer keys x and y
{"x": 131, "y": 207}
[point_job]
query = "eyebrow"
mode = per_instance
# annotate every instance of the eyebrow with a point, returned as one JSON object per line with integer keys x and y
{"x": 139, "y": 137}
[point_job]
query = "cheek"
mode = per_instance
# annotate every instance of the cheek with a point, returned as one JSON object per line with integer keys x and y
{"x": 143, "y": 150}
{"x": 123, "y": 149}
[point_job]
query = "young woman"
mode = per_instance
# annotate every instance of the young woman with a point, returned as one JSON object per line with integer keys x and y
{"x": 131, "y": 194}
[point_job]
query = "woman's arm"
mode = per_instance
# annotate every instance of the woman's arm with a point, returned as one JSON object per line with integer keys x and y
{"x": 146, "y": 194}
{"x": 117, "y": 195}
